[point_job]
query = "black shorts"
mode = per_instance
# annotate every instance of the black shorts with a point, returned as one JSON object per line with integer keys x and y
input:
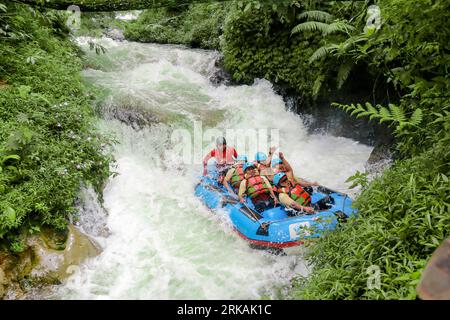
{"x": 262, "y": 205}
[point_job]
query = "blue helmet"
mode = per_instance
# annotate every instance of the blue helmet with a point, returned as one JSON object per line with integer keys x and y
{"x": 248, "y": 165}
{"x": 277, "y": 178}
{"x": 242, "y": 158}
{"x": 260, "y": 156}
{"x": 276, "y": 161}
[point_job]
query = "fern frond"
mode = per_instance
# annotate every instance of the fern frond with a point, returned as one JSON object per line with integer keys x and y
{"x": 321, "y": 52}
{"x": 359, "y": 109}
{"x": 316, "y": 15}
{"x": 343, "y": 73}
{"x": 310, "y": 26}
{"x": 335, "y": 27}
{"x": 351, "y": 42}
{"x": 385, "y": 115}
{"x": 397, "y": 113}
{"x": 317, "y": 85}
{"x": 371, "y": 108}
{"x": 416, "y": 117}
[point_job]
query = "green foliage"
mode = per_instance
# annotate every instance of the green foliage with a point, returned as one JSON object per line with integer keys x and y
{"x": 403, "y": 217}
{"x": 358, "y": 179}
{"x": 48, "y": 145}
{"x": 394, "y": 114}
{"x": 272, "y": 41}
{"x": 198, "y": 25}
{"x": 257, "y": 43}
{"x": 404, "y": 214}
{"x": 325, "y": 28}
{"x": 95, "y": 24}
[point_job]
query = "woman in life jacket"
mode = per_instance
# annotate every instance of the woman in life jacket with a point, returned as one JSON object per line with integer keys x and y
{"x": 292, "y": 195}
{"x": 224, "y": 157}
{"x": 235, "y": 175}
{"x": 257, "y": 188}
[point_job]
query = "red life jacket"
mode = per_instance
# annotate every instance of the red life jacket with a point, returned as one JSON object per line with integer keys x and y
{"x": 224, "y": 157}
{"x": 297, "y": 193}
{"x": 256, "y": 186}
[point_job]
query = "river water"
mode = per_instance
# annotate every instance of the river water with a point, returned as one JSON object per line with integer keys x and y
{"x": 163, "y": 243}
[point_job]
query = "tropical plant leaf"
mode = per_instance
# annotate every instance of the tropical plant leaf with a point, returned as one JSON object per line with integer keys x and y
{"x": 317, "y": 85}
{"x": 416, "y": 117}
{"x": 321, "y": 53}
{"x": 397, "y": 113}
{"x": 316, "y": 15}
{"x": 335, "y": 27}
{"x": 310, "y": 26}
{"x": 10, "y": 214}
{"x": 343, "y": 73}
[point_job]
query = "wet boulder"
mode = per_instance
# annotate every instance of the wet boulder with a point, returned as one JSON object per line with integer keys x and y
{"x": 46, "y": 260}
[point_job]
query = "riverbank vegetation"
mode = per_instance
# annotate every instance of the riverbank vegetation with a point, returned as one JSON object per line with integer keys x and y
{"x": 48, "y": 144}
{"x": 197, "y": 25}
{"x": 320, "y": 47}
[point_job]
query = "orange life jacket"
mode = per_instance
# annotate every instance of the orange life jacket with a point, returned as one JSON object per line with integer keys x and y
{"x": 297, "y": 193}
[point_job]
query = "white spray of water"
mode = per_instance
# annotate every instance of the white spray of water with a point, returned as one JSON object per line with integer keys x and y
{"x": 163, "y": 243}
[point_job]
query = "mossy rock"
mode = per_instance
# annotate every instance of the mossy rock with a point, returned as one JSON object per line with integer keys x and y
{"x": 53, "y": 263}
{"x": 48, "y": 260}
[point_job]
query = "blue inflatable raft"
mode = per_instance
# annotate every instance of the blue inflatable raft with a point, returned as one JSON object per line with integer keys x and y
{"x": 276, "y": 228}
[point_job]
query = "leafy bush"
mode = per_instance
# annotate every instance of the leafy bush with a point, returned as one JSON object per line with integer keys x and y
{"x": 257, "y": 43}
{"x": 198, "y": 25}
{"x": 404, "y": 215}
{"x": 48, "y": 145}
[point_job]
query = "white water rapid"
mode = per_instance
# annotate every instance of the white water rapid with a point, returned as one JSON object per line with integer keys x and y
{"x": 163, "y": 243}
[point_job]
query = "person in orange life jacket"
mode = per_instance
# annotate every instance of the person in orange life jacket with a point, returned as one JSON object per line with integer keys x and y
{"x": 258, "y": 188}
{"x": 224, "y": 157}
{"x": 235, "y": 175}
{"x": 292, "y": 195}
{"x": 282, "y": 165}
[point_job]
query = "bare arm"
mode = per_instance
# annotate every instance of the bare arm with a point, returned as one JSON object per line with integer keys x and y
{"x": 269, "y": 158}
{"x": 227, "y": 179}
{"x": 205, "y": 161}
{"x": 242, "y": 190}
{"x": 290, "y": 203}
{"x": 286, "y": 163}
{"x": 305, "y": 183}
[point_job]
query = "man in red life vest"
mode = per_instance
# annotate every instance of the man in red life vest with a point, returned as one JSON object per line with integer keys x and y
{"x": 224, "y": 157}
{"x": 258, "y": 188}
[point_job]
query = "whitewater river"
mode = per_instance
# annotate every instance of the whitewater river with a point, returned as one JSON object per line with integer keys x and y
{"x": 163, "y": 243}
